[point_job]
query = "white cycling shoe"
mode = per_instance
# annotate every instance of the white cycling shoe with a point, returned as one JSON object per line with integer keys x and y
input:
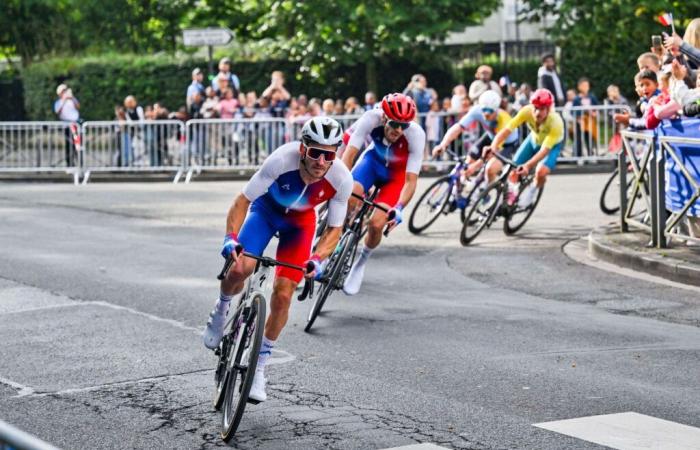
{"x": 353, "y": 282}
{"x": 257, "y": 390}
{"x": 214, "y": 331}
{"x": 527, "y": 197}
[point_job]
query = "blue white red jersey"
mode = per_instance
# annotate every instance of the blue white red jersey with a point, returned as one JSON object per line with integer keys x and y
{"x": 405, "y": 154}
{"x": 278, "y": 186}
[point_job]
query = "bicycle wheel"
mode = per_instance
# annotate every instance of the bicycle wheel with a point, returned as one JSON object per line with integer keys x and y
{"x": 471, "y": 198}
{"x": 336, "y": 267}
{"x": 242, "y": 368}
{"x": 517, "y": 216}
{"x": 430, "y": 205}
{"x": 225, "y": 352}
{"x": 482, "y": 212}
{"x": 610, "y": 197}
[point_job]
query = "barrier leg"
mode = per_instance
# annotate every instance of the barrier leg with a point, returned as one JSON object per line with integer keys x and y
{"x": 622, "y": 174}
{"x": 659, "y": 198}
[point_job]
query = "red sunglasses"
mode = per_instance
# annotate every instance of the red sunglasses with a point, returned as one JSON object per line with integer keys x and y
{"x": 315, "y": 153}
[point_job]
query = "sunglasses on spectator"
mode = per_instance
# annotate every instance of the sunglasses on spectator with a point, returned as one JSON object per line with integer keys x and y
{"x": 487, "y": 110}
{"x": 316, "y": 153}
{"x": 396, "y": 124}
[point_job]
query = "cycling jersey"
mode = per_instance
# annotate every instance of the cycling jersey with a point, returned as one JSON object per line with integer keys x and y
{"x": 385, "y": 164}
{"x": 548, "y": 134}
{"x": 491, "y": 127}
{"x": 282, "y": 203}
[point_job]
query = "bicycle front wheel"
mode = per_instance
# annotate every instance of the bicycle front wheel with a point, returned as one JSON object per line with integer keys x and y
{"x": 336, "y": 267}
{"x": 517, "y": 216}
{"x": 242, "y": 367}
{"x": 482, "y": 212}
{"x": 430, "y": 205}
{"x": 610, "y": 197}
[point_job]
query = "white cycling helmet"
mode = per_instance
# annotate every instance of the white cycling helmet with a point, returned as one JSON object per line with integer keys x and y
{"x": 322, "y": 130}
{"x": 490, "y": 99}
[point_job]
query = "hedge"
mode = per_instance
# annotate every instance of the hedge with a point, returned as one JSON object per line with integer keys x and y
{"x": 100, "y": 83}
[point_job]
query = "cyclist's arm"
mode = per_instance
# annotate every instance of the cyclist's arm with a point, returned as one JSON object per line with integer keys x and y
{"x": 329, "y": 239}
{"x": 337, "y": 209}
{"x": 237, "y": 214}
{"x": 500, "y": 138}
{"x": 416, "y": 142}
{"x": 452, "y": 133}
{"x": 511, "y": 126}
{"x": 409, "y": 188}
{"x": 361, "y": 129}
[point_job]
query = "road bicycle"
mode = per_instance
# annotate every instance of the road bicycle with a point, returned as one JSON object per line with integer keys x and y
{"x": 240, "y": 346}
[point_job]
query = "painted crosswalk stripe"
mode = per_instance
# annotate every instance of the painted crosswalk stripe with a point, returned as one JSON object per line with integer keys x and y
{"x": 418, "y": 447}
{"x": 629, "y": 431}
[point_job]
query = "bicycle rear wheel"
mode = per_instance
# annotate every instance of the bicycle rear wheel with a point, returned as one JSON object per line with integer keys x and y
{"x": 225, "y": 352}
{"x": 482, "y": 212}
{"x": 516, "y": 217}
{"x": 242, "y": 368}
{"x": 430, "y": 205}
{"x": 610, "y": 197}
{"x": 336, "y": 267}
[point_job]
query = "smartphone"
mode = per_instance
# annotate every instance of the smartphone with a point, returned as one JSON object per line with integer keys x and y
{"x": 656, "y": 41}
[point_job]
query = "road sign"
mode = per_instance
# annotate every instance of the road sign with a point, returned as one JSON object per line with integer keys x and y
{"x": 197, "y": 37}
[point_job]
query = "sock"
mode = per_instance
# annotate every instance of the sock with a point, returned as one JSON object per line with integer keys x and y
{"x": 265, "y": 352}
{"x": 364, "y": 254}
{"x": 223, "y": 303}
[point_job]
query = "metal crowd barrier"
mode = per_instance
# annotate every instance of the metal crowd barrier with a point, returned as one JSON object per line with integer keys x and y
{"x": 148, "y": 146}
{"x": 12, "y": 438}
{"x": 39, "y": 147}
{"x": 651, "y": 193}
{"x": 236, "y": 144}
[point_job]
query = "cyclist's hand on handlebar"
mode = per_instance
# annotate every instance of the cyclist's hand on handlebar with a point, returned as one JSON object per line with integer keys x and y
{"x": 521, "y": 171}
{"x": 438, "y": 150}
{"x": 395, "y": 216}
{"x": 229, "y": 247}
{"x": 313, "y": 268}
{"x": 486, "y": 152}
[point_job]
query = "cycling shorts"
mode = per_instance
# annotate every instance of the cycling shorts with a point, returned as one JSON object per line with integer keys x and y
{"x": 372, "y": 170}
{"x": 296, "y": 233}
{"x": 528, "y": 149}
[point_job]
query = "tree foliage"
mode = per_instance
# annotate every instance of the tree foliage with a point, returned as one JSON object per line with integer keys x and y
{"x": 601, "y": 39}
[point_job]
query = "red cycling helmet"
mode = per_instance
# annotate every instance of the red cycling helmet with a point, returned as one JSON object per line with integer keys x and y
{"x": 542, "y": 98}
{"x": 399, "y": 107}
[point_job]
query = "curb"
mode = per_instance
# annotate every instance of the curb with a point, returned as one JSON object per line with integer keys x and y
{"x": 666, "y": 267}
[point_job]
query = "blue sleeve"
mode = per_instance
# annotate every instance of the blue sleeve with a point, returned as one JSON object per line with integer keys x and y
{"x": 471, "y": 117}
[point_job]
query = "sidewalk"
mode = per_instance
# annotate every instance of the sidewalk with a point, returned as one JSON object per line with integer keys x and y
{"x": 679, "y": 262}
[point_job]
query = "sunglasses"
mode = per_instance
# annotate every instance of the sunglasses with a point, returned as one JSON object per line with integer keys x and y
{"x": 396, "y": 124}
{"x": 487, "y": 110}
{"x": 316, "y": 153}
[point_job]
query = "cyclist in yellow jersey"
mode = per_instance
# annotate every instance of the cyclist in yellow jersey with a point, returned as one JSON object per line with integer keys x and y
{"x": 541, "y": 147}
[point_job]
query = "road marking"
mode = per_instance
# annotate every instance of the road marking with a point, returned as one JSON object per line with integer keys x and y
{"x": 418, "y": 447}
{"x": 628, "y": 431}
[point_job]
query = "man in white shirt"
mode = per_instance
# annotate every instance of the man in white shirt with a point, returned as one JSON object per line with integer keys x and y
{"x": 67, "y": 108}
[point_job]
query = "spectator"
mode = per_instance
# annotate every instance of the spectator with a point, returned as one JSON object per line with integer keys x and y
{"x": 483, "y": 83}
{"x": 228, "y": 105}
{"x": 134, "y": 112}
{"x": 276, "y": 94}
{"x": 222, "y": 83}
{"x": 339, "y": 108}
{"x": 225, "y": 73}
{"x": 585, "y": 128}
{"x": 649, "y": 61}
{"x": 67, "y": 109}
{"x": 250, "y": 107}
{"x": 328, "y": 106}
{"x": 122, "y": 137}
{"x": 548, "y": 78}
{"x": 614, "y": 98}
{"x": 522, "y": 96}
{"x": 370, "y": 100}
{"x": 459, "y": 92}
{"x": 689, "y": 45}
{"x": 315, "y": 107}
{"x": 447, "y": 104}
{"x": 566, "y": 113}
{"x": 352, "y": 108}
{"x": 417, "y": 89}
{"x": 648, "y": 90}
{"x": 433, "y": 126}
{"x": 195, "y": 86}
{"x": 197, "y": 144}
{"x": 210, "y": 106}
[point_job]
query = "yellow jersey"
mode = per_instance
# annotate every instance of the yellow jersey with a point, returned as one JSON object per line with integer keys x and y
{"x": 548, "y": 134}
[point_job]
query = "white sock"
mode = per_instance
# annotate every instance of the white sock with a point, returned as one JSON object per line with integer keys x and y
{"x": 265, "y": 352}
{"x": 364, "y": 254}
{"x": 223, "y": 303}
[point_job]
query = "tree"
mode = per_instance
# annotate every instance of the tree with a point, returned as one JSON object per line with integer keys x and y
{"x": 318, "y": 33}
{"x": 601, "y": 39}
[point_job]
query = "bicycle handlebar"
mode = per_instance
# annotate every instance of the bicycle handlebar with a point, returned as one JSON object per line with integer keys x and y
{"x": 390, "y": 212}
{"x": 270, "y": 262}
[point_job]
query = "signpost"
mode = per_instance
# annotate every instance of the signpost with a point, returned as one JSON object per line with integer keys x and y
{"x": 198, "y": 37}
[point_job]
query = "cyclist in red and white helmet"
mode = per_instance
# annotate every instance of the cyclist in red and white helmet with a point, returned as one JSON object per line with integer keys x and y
{"x": 541, "y": 147}
{"x": 390, "y": 163}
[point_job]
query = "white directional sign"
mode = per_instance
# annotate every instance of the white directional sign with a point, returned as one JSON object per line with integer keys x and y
{"x": 197, "y": 37}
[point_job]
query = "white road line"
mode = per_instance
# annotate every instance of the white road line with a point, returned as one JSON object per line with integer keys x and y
{"x": 22, "y": 390}
{"x": 418, "y": 447}
{"x": 628, "y": 431}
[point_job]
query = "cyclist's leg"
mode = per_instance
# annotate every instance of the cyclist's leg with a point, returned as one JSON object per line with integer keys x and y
{"x": 526, "y": 151}
{"x": 545, "y": 167}
{"x": 474, "y": 156}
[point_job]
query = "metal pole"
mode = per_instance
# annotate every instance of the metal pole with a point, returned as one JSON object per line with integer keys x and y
{"x": 211, "y": 60}
{"x": 660, "y": 194}
{"x": 622, "y": 173}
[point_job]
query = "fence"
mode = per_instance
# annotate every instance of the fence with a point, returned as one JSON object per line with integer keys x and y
{"x": 180, "y": 148}
{"x": 12, "y": 438}
{"x": 663, "y": 195}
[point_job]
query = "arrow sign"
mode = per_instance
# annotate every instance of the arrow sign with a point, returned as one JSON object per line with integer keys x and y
{"x": 197, "y": 37}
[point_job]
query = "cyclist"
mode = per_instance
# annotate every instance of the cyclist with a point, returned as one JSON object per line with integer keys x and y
{"x": 282, "y": 195}
{"x": 493, "y": 119}
{"x": 390, "y": 163}
{"x": 541, "y": 147}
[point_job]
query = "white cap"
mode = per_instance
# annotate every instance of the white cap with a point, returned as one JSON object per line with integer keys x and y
{"x": 61, "y": 88}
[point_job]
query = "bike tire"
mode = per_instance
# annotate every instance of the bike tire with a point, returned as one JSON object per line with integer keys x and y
{"x": 336, "y": 267}
{"x": 508, "y": 227}
{"x": 424, "y": 200}
{"x": 605, "y": 204}
{"x": 220, "y": 379}
{"x": 471, "y": 228}
{"x": 470, "y": 199}
{"x": 233, "y": 408}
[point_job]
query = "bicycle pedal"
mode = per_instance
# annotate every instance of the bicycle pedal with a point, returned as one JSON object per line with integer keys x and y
{"x": 252, "y": 401}
{"x": 217, "y": 351}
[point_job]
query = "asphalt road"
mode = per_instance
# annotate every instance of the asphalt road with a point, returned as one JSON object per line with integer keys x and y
{"x": 104, "y": 289}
